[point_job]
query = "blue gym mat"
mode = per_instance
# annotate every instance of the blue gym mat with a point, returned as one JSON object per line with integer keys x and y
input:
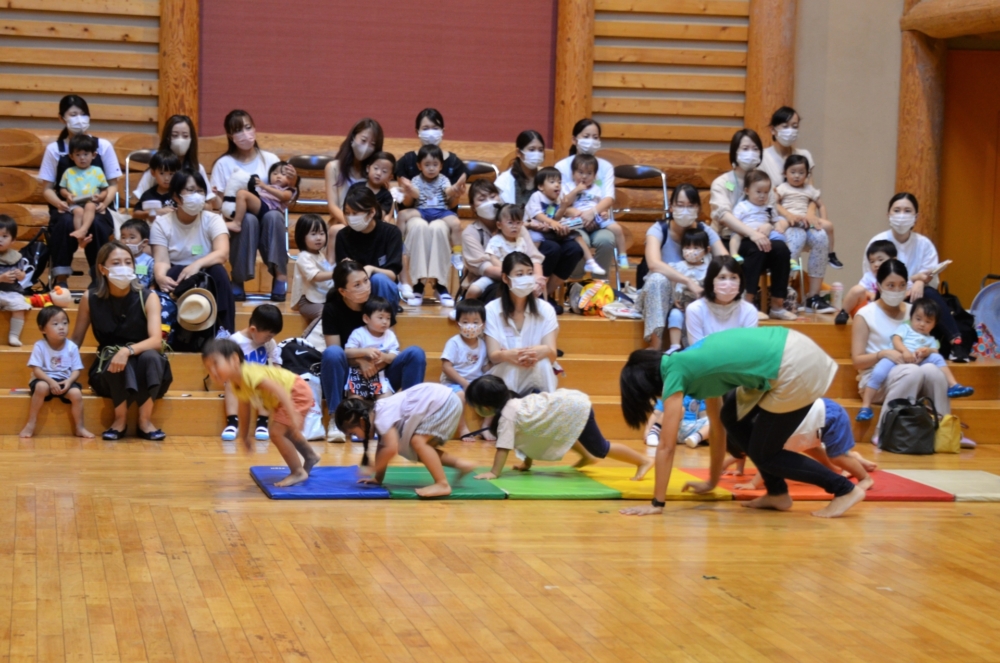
{"x": 324, "y": 483}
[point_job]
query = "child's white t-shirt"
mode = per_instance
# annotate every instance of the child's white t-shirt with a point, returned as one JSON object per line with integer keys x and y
{"x": 752, "y": 215}
{"x": 362, "y": 338}
{"x": 467, "y": 362}
{"x": 796, "y": 199}
{"x": 57, "y": 364}
{"x": 257, "y": 354}
{"x": 501, "y": 247}
{"x": 307, "y": 266}
{"x": 539, "y": 203}
{"x": 587, "y": 199}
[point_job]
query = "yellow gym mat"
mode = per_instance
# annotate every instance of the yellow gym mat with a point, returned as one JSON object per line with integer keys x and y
{"x": 619, "y": 478}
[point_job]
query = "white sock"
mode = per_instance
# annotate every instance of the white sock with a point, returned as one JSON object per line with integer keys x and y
{"x": 16, "y": 326}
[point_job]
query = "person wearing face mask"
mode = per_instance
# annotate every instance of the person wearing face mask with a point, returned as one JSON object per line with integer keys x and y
{"x": 784, "y": 133}
{"x": 484, "y": 198}
{"x": 587, "y": 140}
{"x": 130, "y": 367}
{"x": 75, "y": 114}
{"x": 191, "y": 239}
{"x": 521, "y": 330}
{"x": 871, "y": 341}
{"x": 517, "y": 183}
{"x": 180, "y": 139}
{"x": 656, "y": 278}
{"x": 722, "y": 306}
{"x": 343, "y": 312}
{"x": 372, "y": 242}
{"x": 266, "y": 235}
{"x": 920, "y": 256}
{"x": 430, "y": 131}
{"x": 355, "y": 154}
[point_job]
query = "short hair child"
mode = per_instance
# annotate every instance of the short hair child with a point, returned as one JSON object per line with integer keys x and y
{"x": 370, "y": 342}
{"x": 81, "y": 182}
{"x": 546, "y": 208}
{"x": 798, "y": 201}
{"x": 267, "y": 318}
{"x": 13, "y": 270}
{"x": 135, "y": 235}
{"x": 378, "y": 177}
{"x": 55, "y": 365}
{"x": 434, "y": 195}
{"x": 465, "y": 357}
{"x": 259, "y": 347}
{"x": 583, "y": 194}
{"x": 758, "y": 217}
{"x": 877, "y": 252}
{"x": 694, "y": 265}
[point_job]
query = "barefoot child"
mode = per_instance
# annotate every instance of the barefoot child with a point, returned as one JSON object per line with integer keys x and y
{"x": 269, "y": 389}
{"x": 55, "y": 367}
{"x": 262, "y": 198}
{"x": 12, "y": 273}
{"x": 544, "y": 427}
{"x": 464, "y": 358}
{"x": 80, "y": 183}
{"x": 584, "y": 195}
{"x": 913, "y": 340}
{"x": 257, "y": 343}
{"x": 376, "y": 343}
{"x": 414, "y": 423}
{"x": 545, "y": 212}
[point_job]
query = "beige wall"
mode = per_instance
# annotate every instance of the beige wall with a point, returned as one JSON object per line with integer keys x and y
{"x": 847, "y": 91}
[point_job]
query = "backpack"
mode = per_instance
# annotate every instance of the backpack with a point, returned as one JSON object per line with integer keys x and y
{"x": 185, "y": 340}
{"x": 966, "y": 323}
{"x": 589, "y": 298}
{"x": 168, "y": 316}
{"x": 299, "y": 357}
{"x": 909, "y": 426}
{"x": 36, "y": 253}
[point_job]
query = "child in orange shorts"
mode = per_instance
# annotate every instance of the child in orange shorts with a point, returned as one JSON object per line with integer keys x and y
{"x": 267, "y": 388}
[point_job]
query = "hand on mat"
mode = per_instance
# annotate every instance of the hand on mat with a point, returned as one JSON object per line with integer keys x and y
{"x": 648, "y": 510}
{"x": 486, "y": 475}
{"x": 698, "y": 487}
{"x": 370, "y": 481}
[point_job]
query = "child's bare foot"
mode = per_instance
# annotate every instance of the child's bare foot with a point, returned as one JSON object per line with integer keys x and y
{"x": 85, "y": 241}
{"x": 586, "y": 460}
{"x": 865, "y": 463}
{"x": 866, "y": 483}
{"x": 434, "y": 490}
{"x": 641, "y": 471}
{"x": 464, "y": 467}
{"x": 841, "y": 504}
{"x": 292, "y": 479}
{"x": 310, "y": 462}
{"x": 29, "y": 430}
{"x": 776, "y": 502}
{"x": 81, "y": 432}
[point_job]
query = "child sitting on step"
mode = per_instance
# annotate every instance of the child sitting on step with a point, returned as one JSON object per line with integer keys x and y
{"x": 465, "y": 358}
{"x": 13, "y": 268}
{"x": 258, "y": 346}
{"x": 313, "y": 271}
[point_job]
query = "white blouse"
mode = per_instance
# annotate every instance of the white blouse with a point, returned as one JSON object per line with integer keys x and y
{"x": 227, "y": 165}
{"x": 541, "y": 376}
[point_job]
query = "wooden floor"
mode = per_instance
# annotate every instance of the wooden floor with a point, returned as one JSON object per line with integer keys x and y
{"x": 138, "y": 551}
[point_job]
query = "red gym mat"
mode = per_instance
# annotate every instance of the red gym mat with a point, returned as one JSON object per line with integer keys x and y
{"x": 888, "y": 488}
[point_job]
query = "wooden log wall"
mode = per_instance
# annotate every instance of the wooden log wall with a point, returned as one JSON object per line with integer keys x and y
{"x": 49, "y": 49}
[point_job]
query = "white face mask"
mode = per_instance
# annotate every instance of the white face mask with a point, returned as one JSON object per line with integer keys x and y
{"x": 532, "y": 159}
{"x": 588, "y": 145}
{"x": 121, "y": 275}
{"x": 522, "y": 286}
{"x": 487, "y": 210}
{"x": 78, "y": 124}
{"x": 357, "y": 222}
{"x": 787, "y": 136}
{"x": 892, "y": 298}
{"x": 135, "y": 249}
{"x": 726, "y": 291}
{"x": 470, "y": 329}
{"x": 361, "y": 152}
{"x": 685, "y": 216}
{"x": 694, "y": 255}
{"x": 193, "y": 203}
{"x": 902, "y": 223}
{"x": 748, "y": 159}
{"x": 179, "y": 146}
{"x": 430, "y": 136}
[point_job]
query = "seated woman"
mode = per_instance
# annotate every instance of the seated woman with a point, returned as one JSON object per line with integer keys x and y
{"x": 758, "y": 251}
{"x": 722, "y": 306}
{"x": 130, "y": 367}
{"x": 356, "y": 153}
{"x": 517, "y": 183}
{"x": 521, "y": 330}
{"x": 372, "y": 242}
{"x": 191, "y": 239}
{"x": 342, "y": 314}
{"x": 663, "y": 246}
{"x": 179, "y": 138}
{"x": 75, "y": 114}
{"x": 871, "y": 340}
{"x": 266, "y": 235}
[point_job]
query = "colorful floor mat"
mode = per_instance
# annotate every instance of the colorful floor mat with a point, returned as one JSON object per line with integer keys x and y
{"x": 552, "y": 483}
{"x": 889, "y": 487}
{"x": 620, "y": 478}
{"x": 965, "y": 485}
{"x": 324, "y": 483}
{"x": 402, "y": 483}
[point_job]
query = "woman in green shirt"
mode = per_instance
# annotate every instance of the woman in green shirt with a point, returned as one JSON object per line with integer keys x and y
{"x": 758, "y": 384}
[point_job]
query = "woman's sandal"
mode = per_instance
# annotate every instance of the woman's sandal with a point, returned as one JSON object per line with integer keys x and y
{"x": 153, "y": 436}
{"x": 113, "y": 435}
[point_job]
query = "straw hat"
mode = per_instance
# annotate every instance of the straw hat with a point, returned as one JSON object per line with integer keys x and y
{"x": 196, "y": 310}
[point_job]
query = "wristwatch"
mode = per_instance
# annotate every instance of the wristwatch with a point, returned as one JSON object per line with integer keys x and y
{"x": 131, "y": 350}
{"x": 657, "y": 503}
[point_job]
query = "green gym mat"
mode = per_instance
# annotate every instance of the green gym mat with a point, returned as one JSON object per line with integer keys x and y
{"x": 552, "y": 483}
{"x": 401, "y": 482}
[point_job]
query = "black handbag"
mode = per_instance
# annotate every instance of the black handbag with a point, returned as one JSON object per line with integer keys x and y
{"x": 37, "y": 253}
{"x": 909, "y": 426}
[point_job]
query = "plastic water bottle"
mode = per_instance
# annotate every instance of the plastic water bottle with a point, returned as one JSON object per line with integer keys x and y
{"x": 837, "y": 295}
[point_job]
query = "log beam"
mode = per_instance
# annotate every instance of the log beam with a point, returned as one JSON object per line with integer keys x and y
{"x": 944, "y": 19}
{"x": 770, "y": 61}
{"x": 179, "y": 56}
{"x": 574, "y": 70}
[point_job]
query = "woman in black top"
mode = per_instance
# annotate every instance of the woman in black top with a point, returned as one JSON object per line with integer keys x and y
{"x": 130, "y": 367}
{"x": 369, "y": 240}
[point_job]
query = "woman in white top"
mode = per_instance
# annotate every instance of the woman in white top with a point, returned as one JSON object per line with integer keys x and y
{"x": 191, "y": 239}
{"x": 75, "y": 114}
{"x": 349, "y": 167}
{"x": 871, "y": 340}
{"x": 722, "y": 306}
{"x": 587, "y": 140}
{"x": 267, "y": 235}
{"x": 920, "y": 257}
{"x": 521, "y": 330}
{"x": 758, "y": 251}
{"x": 179, "y": 137}
{"x": 517, "y": 183}
{"x": 663, "y": 246}
{"x": 784, "y": 132}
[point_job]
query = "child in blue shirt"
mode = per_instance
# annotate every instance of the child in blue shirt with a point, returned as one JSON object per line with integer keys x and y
{"x": 135, "y": 235}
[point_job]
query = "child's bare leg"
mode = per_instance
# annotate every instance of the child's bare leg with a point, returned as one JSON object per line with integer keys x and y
{"x": 232, "y": 404}
{"x": 473, "y": 292}
{"x": 75, "y": 397}
{"x": 619, "y": 234}
{"x": 245, "y": 202}
{"x": 89, "y": 211}
{"x": 949, "y": 376}
{"x": 297, "y": 473}
{"x": 37, "y": 400}
{"x": 586, "y": 458}
{"x": 734, "y": 243}
{"x": 740, "y": 464}
{"x": 455, "y": 228}
{"x": 628, "y": 455}
{"x": 856, "y": 470}
{"x": 404, "y": 276}
{"x": 587, "y": 255}
{"x": 429, "y": 456}
{"x": 854, "y": 296}
{"x": 77, "y": 223}
{"x": 866, "y": 397}
{"x": 309, "y": 455}
{"x": 461, "y": 464}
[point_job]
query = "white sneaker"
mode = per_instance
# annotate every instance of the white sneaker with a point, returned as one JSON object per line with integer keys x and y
{"x": 405, "y": 291}
{"x": 623, "y": 262}
{"x": 782, "y": 314}
{"x": 761, "y": 316}
{"x": 334, "y": 434}
{"x": 652, "y": 440}
{"x": 592, "y": 267}
{"x": 229, "y": 433}
{"x": 693, "y": 440}
{"x": 415, "y": 300}
{"x": 261, "y": 433}
{"x": 457, "y": 262}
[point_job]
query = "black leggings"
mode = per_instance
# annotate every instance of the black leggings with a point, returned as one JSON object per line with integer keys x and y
{"x": 762, "y": 435}
{"x": 223, "y": 293}
{"x": 562, "y": 255}
{"x": 592, "y": 439}
{"x": 755, "y": 261}
{"x": 63, "y": 246}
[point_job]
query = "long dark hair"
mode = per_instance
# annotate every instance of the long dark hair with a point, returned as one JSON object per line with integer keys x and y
{"x": 641, "y": 383}
{"x": 233, "y": 125}
{"x": 362, "y": 199}
{"x": 512, "y": 260}
{"x": 489, "y": 391}
{"x": 345, "y": 155}
{"x": 189, "y": 160}
{"x": 522, "y": 141}
{"x": 352, "y": 411}
{"x": 580, "y": 126}
{"x": 887, "y": 269}
{"x": 67, "y": 102}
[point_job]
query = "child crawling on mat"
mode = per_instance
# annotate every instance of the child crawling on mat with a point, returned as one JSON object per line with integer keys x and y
{"x": 269, "y": 389}
{"x": 825, "y": 436}
{"x": 544, "y": 427}
{"x": 414, "y": 423}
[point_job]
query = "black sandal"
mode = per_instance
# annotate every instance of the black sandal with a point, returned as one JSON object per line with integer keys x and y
{"x": 113, "y": 435}
{"x": 153, "y": 436}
